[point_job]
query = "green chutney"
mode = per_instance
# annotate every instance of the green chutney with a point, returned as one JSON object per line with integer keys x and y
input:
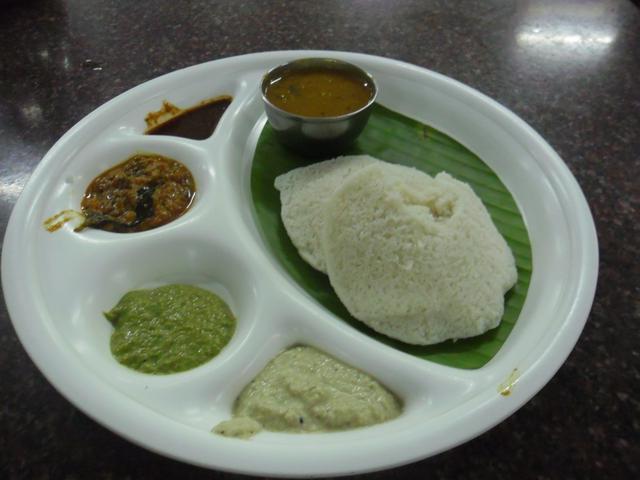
{"x": 169, "y": 329}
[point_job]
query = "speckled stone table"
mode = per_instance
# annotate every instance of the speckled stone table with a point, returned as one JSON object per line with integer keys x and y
{"x": 569, "y": 68}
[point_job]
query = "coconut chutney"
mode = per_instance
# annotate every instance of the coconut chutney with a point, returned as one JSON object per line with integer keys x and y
{"x": 304, "y": 390}
{"x": 169, "y": 329}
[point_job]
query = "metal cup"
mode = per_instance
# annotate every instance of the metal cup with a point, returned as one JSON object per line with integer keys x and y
{"x": 317, "y": 135}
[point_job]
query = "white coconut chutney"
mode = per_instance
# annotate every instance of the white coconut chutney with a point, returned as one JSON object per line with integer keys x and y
{"x": 303, "y": 390}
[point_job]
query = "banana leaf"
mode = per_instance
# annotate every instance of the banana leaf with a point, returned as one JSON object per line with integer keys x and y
{"x": 395, "y": 138}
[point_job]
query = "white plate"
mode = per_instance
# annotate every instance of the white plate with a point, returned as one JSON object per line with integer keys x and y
{"x": 57, "y": 285}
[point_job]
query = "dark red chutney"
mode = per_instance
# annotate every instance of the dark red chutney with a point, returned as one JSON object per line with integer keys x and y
{"x": 196, "y": 123}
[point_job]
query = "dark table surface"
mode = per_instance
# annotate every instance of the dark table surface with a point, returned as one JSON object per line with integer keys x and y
{"x": 569, "y": 68}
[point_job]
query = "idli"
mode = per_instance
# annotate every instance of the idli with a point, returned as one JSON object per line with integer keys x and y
{"x": 303, "y": 193}
{"x": 414, "y": 257}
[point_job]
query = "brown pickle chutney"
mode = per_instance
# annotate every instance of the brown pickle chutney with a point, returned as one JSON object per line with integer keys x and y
{"x": 141, "y": 193}
{"x": 196, "y": 123}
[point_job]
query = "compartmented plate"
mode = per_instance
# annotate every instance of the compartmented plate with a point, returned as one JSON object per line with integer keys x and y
{"x": 57, "y": 285}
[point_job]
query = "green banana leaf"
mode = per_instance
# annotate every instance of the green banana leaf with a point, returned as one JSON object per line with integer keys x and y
{"x": 395, "y": 138}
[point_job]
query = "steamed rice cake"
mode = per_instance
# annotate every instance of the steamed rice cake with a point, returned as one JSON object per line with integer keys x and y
{"x": 415, "y": 258}
{"x": 303, "y": 193}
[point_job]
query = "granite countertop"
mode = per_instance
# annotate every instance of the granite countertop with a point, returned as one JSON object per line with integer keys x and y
{"x": 570, "y": 69}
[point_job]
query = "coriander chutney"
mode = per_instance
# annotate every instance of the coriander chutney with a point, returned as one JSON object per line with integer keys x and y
{"x": 169, "y": 329}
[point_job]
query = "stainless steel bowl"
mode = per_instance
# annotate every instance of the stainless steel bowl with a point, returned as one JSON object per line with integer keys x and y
{"x": 317, "y": 135}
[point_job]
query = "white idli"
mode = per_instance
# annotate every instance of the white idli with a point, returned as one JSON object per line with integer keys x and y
{"x": 414, "y": 257}
{"x": 303, "y": 193}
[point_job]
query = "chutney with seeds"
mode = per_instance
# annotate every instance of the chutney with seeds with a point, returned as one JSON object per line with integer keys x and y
{"x": 144, "y": 192}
